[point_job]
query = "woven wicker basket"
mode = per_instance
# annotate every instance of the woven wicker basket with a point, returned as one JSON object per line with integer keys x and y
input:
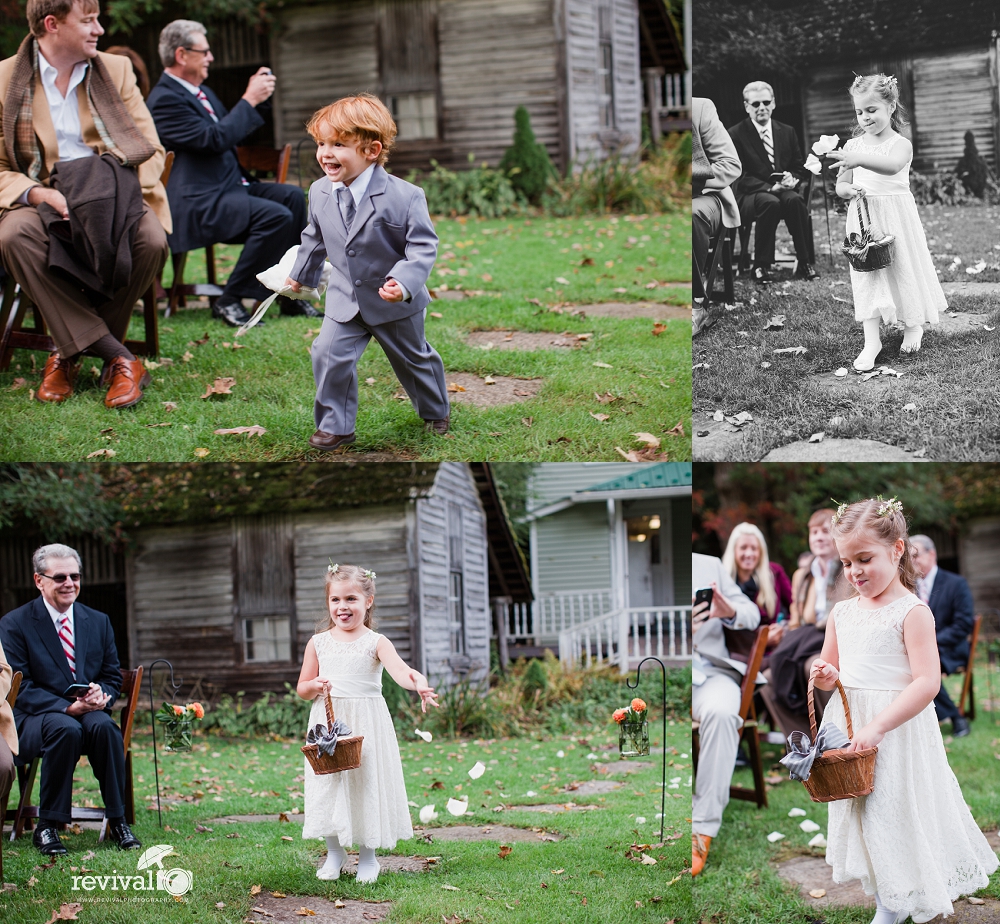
{"x": 839, "y": 775}
{"x": 346, "y": 756}
{"x": 879, "y": 253}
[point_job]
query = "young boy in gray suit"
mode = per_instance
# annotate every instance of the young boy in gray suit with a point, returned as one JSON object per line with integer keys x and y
{"x": 377, "y": 234}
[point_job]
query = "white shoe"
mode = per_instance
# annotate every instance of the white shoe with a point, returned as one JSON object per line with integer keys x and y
{"x": 335, "y": 860}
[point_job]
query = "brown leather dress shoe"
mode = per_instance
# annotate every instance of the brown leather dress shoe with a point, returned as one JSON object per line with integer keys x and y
{"x": 330, "y": 441}
{"x": 57, "y": 379}
{"x": 128, "y": 378}
{"x": 439, "y": 427}
{"x": 699, "y": 852}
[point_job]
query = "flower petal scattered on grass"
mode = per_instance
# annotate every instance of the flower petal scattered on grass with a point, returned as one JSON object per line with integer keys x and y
{"x": 458, "y": 807}
{"x": 102, "y": 454}
{"x": 426, "y": 735}
{"x": 427, "y": 814}
{"x": 818, "y": 841}
{"x": 817, "y": 437}
{"x": 841, "y": 372}
{"x": 797, "y": 813}
{"x": 809, "y": 826}
{"x": 775, "y": 836}
{"x": 255, "y": 430}
{"x": 478, "y": 769}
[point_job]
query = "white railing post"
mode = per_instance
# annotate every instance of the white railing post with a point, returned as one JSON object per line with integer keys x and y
{"x": 623, "y": 649}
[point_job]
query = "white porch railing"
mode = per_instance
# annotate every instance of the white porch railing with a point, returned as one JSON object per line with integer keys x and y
{"x": 540, "y": 622}
{"x": 625, "y": 637}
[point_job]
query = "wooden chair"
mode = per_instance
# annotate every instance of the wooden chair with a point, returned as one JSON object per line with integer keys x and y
{"x": 15, "y": 686}
{"x": 720, "y": 256}
{"x": 131, "y": 682}
{"x": 967, "y": 688}
{"x": 255, "y": 160}
{"x": 749, "y": 731}
{"x": 16, "y": 305}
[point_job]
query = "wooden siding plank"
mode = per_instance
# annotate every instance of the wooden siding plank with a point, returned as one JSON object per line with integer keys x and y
{"x": 573, "y": 549}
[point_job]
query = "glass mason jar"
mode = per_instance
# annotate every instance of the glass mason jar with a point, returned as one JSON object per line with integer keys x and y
{"x": 177, "y": 737}
{"x": 633, "y": 739}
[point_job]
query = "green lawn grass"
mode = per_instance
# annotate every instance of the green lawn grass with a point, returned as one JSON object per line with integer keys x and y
{"x": 740, "y": 884}
{"x": 514, "y": 267}
{"x": 221, "y": 777}
{"x": 950, "y": 382}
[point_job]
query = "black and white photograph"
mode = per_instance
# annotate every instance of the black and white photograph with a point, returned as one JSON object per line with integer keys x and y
{"x": 846, "y": 231}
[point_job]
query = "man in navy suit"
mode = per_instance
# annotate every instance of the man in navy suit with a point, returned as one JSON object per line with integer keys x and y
{"x": 767, "y": 148}
{"x": 210, "y": 199}
{"x": 55, "y": 642}
{"x": 950, "y": 600}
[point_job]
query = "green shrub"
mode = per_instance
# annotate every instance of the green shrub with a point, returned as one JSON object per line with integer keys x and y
{"x": 939, "y": 188}
{"x": 526, "y": 161}
{"x": 535, "y": 681}
{"x": 478, "y": 192}
{"x": 271, "y": 715}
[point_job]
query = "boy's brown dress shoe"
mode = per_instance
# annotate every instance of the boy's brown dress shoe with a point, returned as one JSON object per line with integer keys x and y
{"x": 57, "y": 379}
{"x": 438, "y": 426}
{"x": 699, "y": 852}
{"x": 330, "y": 441}
{"x": 128, "y": 378}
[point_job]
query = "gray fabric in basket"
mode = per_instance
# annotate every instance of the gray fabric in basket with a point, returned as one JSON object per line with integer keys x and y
{"x": 801, "y": 753}
{"x": 325, "y": 739}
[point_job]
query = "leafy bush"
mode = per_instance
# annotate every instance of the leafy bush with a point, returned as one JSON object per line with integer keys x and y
{"x": 478, "y": 192}
{"x": 272, "y": 715}
{"x": 939, "y": 189}
{"x": 526, "y": 161}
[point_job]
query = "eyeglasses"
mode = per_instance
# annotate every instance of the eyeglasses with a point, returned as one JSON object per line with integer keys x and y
{"x": 761, "y": 102}
{"x": 60, "y": 578}
{"x": 201, "y": 51}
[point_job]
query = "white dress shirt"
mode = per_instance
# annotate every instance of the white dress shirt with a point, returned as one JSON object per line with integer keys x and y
{"x": 819, "y": 583}
{"x": 65, "y": 110}
{"x": 358, "y": 188}
{"x": 925, "y": 585}
{"x": 57, "y": 616}
{"x": 763, "y": 130}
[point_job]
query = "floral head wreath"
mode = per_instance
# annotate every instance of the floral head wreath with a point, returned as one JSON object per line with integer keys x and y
{"x": 841, "y": 510}
{"x": 334, "y": 568}
{"x": 889, "y": 507}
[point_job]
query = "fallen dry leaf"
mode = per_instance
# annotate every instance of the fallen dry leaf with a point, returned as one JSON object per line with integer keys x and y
{"x": 305, "y": 912}
{"x": 339, "y": 904}
{"x": 170, "y": 406}
{"x": 278, "y": 895}
{"x": 436, "y": 314}
{"x": 187, "y": 357}
{"x": 527, "y": 421}
{"x": 817, "y": 437}
{"x": 606, "y": 398}
{"x": 972, "y": 900}
{"x": 647, "y": 860}
{"x": 201, "y": 452}
{"x": 455, "y": 387}
{"x": 652, "y": 442}
{"x": 658, "y": 328}
{"x": 794, "y": 349}
{"x": 777, "y": 321}
{"x": 283, "y": 816}
{"x": 489, "y": 380}
{"x": 101, "y": 454}
{"x": 255, "y": 890}
{"x": 601, "y": 417}
{"x": 31, "y": 394}
{"x": 504, "y": 851}
{"x": 642, "y": 455}
{"x": 562, "y": 280}
{"x": 602, "y": 365}
{"x": 451, "y": 888}
{"x": 154, "y": 426}
{"x": 18, "y": 383}
{"x": 67, "y": 912}
{"x": 285, "y": 837}
{"x": 677, "y": 430}
{"x": 255, "y": 430}
{"x": 817, "y": 893}
{"x": 221, "y": 386}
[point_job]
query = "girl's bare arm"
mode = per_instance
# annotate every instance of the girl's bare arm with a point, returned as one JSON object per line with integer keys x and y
{"x": 403, "y": 674}
{"x": 826, "y": 668}
{"x": 885, "y": 164}
{"x": 310, "y": 684}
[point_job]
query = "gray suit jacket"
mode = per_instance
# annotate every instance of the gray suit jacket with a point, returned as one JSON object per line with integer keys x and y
{"x": 392, "y": 237}
{"x": 714, "y": 159}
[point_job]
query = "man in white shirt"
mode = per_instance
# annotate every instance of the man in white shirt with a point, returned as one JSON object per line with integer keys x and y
{"x": 715, "y": 702}
{"x": 210, "y": 198}
{"x": 76, "y": 81}
{"x": 766, "y": 192}
{"x": 56, "y": 642}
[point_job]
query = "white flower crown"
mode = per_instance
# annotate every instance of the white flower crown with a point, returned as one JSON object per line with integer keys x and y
{"x": 889, "y": 507}
{"x": 334, "y": 567}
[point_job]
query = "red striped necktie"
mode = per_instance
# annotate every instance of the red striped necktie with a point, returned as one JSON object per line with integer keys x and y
{"x": 204, "y": 101}
{"x": 66, "y": 637}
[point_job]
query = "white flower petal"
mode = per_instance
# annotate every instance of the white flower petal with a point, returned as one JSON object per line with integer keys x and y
{"x": 775, "y": 836}
{"x": 818, "y": 841}
{"x": 478, "y": 770}
{"x": 531, "y": 792}
{"x": 427, "y": 736}
{"x": 639, "y": 820}
{"x": 456, "y": 807}
{"x": 560, "y": 754}
{"x": 809, "y": 826}
{"x": 797, "y": 813}
{"x": 427, "y": 813}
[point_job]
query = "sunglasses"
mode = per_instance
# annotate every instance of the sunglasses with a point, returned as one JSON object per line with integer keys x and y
{"x": 60, "y": 578}
{"x": 200, "y": 51}
{"x": 761, "y": 102}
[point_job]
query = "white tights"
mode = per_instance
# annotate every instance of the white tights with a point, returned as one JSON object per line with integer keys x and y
{"x": 884, "y": 916}
{"x": 336, "y": 857}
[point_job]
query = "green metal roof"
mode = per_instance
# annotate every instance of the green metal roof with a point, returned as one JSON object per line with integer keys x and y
{"x": 662, "y": 475}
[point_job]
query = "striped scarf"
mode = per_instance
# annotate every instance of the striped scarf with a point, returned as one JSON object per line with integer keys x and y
{"x": 115, "y": 125}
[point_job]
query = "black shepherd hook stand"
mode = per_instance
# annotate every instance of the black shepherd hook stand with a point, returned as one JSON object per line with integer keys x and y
{"x": 663, "y": 786}
{"x": 152, "y": 716}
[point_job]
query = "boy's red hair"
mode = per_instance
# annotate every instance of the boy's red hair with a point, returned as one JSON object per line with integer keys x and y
{"x": 363, "y": 117}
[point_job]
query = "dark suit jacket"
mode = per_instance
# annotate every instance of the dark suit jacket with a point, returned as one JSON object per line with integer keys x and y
{"x": 32, "y": 647}
{"x": 207, "y": 199}
{"x": 757, "y": 169}
{"x": 951, "y": 604}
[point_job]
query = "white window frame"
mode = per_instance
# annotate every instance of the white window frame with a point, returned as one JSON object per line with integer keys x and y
{"x": 276, "y": 644}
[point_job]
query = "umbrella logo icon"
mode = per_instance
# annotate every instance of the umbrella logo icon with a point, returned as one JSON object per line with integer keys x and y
{"x": 175, "y": 881}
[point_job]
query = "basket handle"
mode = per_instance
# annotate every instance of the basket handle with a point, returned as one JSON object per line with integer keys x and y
{"x": 812, "y": 710}
{"x": 863, "y": 208}
{"x": 329, "y": 712}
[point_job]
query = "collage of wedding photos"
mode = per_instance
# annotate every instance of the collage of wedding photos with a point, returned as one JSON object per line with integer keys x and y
{"x": 393, "y": 527}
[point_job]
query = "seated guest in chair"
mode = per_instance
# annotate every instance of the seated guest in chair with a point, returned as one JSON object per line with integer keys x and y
{"x": 212, "y": 201}
{"x": 79, "y": 158}
{"x": 714, "y": 168}
{"x": 715, "y": 702}
{"x": 767, "y": 191}
{"x": 950, "y": 600}
{"x": 8, "y": 733}
{"x": 55, "y": 643}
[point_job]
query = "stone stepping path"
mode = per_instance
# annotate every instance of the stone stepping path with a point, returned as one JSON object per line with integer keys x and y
{"x": 388, "y": 864}
{"x": 521, "y": 340}
{"x": 593, "y": 787}
{"x": 623, "y": 766}
{"x": 250, "y": 819}
{"x": 813, "y": 873}
{"x": 502, "y": 834}
{"x": 713, "y": 440}
{"x": 285, "y": 910}
{"x": 835, "y": 450}
{"x": 504, "y": 390}
{"x": 554, "y": 808}
{"x": 655, "y": 310}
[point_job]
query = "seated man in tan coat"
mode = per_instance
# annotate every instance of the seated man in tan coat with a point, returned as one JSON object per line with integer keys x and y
{"x": 62, "y": 100}
{"x": 8, "y": 734}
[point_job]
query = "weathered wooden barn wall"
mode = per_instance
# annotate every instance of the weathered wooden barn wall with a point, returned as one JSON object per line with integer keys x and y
{"x": 945, "y": 94}
{"x": 979, "y": 550}
{"x": 453, "y": 512}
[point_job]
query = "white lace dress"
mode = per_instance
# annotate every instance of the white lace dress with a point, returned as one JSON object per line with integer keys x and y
{"x": 908, "y": 290}
{"x": 366, "y": 806}
{"x": 913, "y": 839}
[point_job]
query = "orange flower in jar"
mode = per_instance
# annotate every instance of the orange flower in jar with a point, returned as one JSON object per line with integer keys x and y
{"x": 178, "y": 710}
{"x": 198, "y": 709}
{"x": 638, "y": 705}
{"x": 619, "y": 715}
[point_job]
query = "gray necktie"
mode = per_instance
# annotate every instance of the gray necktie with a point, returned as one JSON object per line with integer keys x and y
{"x": 347, "y": 208}
{"x": 768, "y": 146}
